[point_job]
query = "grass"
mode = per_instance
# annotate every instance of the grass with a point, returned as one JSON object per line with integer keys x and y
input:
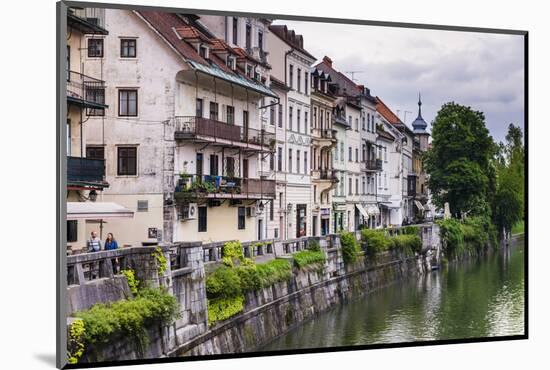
{"x": 518, "y": 228}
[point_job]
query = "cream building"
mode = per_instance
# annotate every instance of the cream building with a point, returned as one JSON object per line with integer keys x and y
{"x": 291, "y": 64}
{"x": 182, "y": 137}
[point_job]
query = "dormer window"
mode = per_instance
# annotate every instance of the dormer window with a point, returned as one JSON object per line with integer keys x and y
{"x": 249, "y": 71}
{"x": 203, "y": 51}
{"x": 231, "y": 62}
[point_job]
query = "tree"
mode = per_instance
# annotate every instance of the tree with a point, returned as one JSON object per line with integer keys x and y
{"x": 460, "y": 163}
{"x": 508, "y": 203}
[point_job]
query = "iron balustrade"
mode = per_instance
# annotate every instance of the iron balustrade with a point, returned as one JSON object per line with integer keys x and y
{"x": 188, "y": 127}
{"x": 329, "y": 174}
{"x": 372, "y": 165}
{"x": 95, "y": 16}
{"x": 83, "y": 87}
{"x": 205, "y": 185}
{"x": 80, "y": 169}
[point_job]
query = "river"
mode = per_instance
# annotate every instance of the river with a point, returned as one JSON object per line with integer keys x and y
{"x": 480, "y": 298}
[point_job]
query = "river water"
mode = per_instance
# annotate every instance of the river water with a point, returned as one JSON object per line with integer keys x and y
{"x": 480, "y": 298}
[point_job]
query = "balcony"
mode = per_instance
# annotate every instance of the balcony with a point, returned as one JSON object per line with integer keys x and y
{"x": 372, "y": 165}
{"x": 328, "y": 175}
{"x": 222, "y": 187}
{"x": 200, "y": 129}
{"x": 86, "y": 173}
{"x": 85, "y": 91}
{"x": 87, "y": 20}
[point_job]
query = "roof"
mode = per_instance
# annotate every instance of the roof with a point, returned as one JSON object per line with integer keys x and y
{"x": 384, "y": 134}
{"x": 278, "y": 83}
{"x": 290, "y": 38}
{"x": 386, "y": 112}
{"x": 96, "y": 211}
{"x": 219, "y": 45}
{"x": 419, "y": 125}
{"x": 174, "y": 30}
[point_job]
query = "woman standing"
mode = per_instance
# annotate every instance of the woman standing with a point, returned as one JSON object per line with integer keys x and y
{"x": 110, "y": 242}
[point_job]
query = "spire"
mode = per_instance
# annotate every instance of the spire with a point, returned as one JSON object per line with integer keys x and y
{"x": 419, "y": 125}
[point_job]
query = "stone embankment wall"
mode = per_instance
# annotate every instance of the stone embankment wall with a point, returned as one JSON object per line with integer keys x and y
{"x": 267, "y": 313}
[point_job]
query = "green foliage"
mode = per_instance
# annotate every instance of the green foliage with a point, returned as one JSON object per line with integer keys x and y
{"x": 128, "y": 318}
{"x": 406, "y": 243}
{"x": 274, "y": 271}
{"x": 232, "y": 252}
{"x": 410, "y": 230}
{"x": 133, "y": 283}
{"x": 518, "y": 228}
{"x": 313, "y": 245}
{"x": 474, "y": 233}
{"x": 452, "y": 236}
{"x": 75, "y": 342}
{"x": 223, "y": 282}
{"x": 376, "y": 241}
{"x": 460, "y": 161}
{"x": 308, "y": 257}
{"x": 220, "y": 309}
{"x": 350, "y": 247}
{"x": 161, "y": 261}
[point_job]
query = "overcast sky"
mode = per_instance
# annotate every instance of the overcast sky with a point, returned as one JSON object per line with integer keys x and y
{"x": 484, "y": 71}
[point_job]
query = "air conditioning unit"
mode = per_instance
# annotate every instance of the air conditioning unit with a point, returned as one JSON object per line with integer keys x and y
{"x": 250, "y": 211}
{"x": 188, "y": 211}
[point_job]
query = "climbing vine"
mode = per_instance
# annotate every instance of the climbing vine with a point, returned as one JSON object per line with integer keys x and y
{"x": 133, "y": 283}
{"x": 75, "y": 345}
{"x": 232, "y": 252}
{"x": 161, "y": 261}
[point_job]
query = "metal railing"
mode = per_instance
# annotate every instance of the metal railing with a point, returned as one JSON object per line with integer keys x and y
{"x": 85, "y": 169}
{"x": 328, "y": 174}
{"x": 197, "y": 186}
{"x": 95, "y": 16}
{"x": 190, "y": 126}
{"x": 372, "y": 165}
{"x": 213, "y": 252}
{"x": 79, "y": 86}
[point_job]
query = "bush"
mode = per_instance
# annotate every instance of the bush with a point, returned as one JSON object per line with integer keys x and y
{"x": 452, "y": 235}
{"x": 406, "y": 243}
{"x": 220, "y": 309}
{"x": 410, "y": 230}
{"x": 129, "y": 318}
{"x": 308, "y": 257}
{"x": 232, "y": 252}
{"x": 313, "y": 245}
{"x": 376, "y": 241}
{"x": 223, "y": 282}
{"x": 274, "y": 271}
{"x": 474, "y": 233}
{"x": 350, "y": 247}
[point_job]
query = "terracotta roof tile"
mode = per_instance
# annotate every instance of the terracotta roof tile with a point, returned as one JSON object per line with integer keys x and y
{"x": 386, "y": 112}
{"x": 188, "y": 32}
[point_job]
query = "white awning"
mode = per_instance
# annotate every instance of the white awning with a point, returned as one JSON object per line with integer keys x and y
{"x": 419, "y": 206}
{"x": 394, "y": 204}
{"x": 362, "y": 210}
{"x": 96, "y": 211}
{"x": 373, "y": 210}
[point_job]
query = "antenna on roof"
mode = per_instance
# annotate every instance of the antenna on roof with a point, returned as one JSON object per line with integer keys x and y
{"x": 352, "y": 73}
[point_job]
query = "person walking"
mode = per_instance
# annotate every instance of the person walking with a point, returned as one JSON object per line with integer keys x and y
{"x": 94, "y": 243}
{"x": 110, "y": 242}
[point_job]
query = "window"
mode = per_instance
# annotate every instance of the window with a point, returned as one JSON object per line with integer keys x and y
{"x": 314, "y": 193}
{"x": 127, "y": 103}
{"x": 271, "y": 161}
{"x": 271, "y": 211}
{"x": 363, "y": 124}
{"x": 248, "y": 36}
{"x": 314, "y": 121}
{"x": 280, "y": 201}
{"x": 356, "y": 186}
{"x": 306, "y": 84}
{"x": 363, "y": 185}
{"x": 235, "y": 27}
{"x": 299, "y": 79}
{"x": 95, "y": 152}
{"x": 230, "y": 167}
{"x": 290, "y": 109}
{"x": 142, "y": 205}
{"x": 72, "y": 231}
{"x": 350, "y": 157}
{"x": 272, "y": 114}
{"x": 95, "y": 48}
{"x": 68, "y": 63}
{"x": 291, "y": 76}
{"x": 357, "y": 124}
{"x": 261, "y": 40}
{"x": 298, "y": 161}
{"x": 368, "y": 121}
{"x": 213, "y": 110}
{"x": 96, "y": 95}
{"x": 214, "y": 165}
{"x": 199, "y": 108}
{"x": 305, "y": 163}
{"x": 290, "y": 160}
{"x": 127, "y": 161}
{"x": 305, "y": 122}
{"x": 241, "y": 218}
{"x": 280, "y": 115}
{"x": 202, "y": 219}
{"x": 350, "y": 191}
{"x": 341, "y": 151}
{"x": 298, "y": 123}
{"x": 385, "y": 155}
{"x": 203, "y": 51}
{"x": 68, "y": 136}
{"x": 230, "y": 62}
{"x": 349, "y": 121}
{"x": 336, "y": 153}
{"x": 128, "y": 48}
{"x": 279, "y": 159}
{"x": 356, "y": 155}
{"x": 230, "y": 114}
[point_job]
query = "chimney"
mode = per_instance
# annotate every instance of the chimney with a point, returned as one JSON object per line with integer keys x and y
{"x": 328, "y": 61}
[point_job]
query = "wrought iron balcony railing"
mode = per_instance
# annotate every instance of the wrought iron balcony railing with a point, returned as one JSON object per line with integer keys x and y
{"x": 189, "y": 127}
{"x": 86, "y": 171}
{"x": 372, "y": 165}
{"x": 207, "y": 186}
{"x": 85, "y": 90}
{"x": 328, "y": 175}
{"x": 88, "y": 20}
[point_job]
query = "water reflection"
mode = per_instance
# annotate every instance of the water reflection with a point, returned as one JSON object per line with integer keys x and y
{"x": 472, "y": 299}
